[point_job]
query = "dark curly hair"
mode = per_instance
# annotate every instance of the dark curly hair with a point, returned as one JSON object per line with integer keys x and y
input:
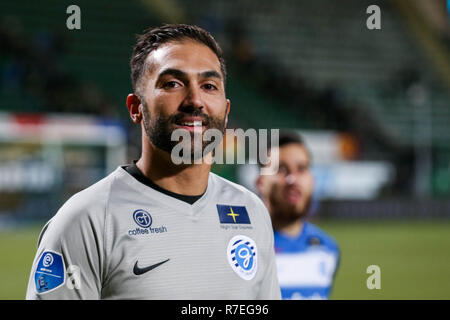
{"x": 153, "y": 38}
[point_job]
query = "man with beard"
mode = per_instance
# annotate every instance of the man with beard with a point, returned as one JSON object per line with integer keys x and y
{"x": 155, "y": 229}
{"x": 307, "y": 258}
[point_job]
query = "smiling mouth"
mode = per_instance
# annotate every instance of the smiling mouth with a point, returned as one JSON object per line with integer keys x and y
{"x": 190, "y": 123}
{"x": 292, "y": 195}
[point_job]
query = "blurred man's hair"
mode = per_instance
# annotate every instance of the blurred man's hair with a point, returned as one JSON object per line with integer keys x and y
{"x": 291, "y": 137}
{"x": 287, "y": 137}
{"x": 153, "y": 38}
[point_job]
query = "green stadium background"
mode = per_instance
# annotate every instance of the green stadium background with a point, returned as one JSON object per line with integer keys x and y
{"x": 382, "y": 96}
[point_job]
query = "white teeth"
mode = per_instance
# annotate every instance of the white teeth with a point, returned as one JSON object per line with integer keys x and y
{"x": 192, "y": 124}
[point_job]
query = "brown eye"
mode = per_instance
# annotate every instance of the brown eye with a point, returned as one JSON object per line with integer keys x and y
{"x": 282, "y": 170}
{"x": 209, "y": 86}
{"x": 171, "y": 85}
{"x": 302, "y": 168}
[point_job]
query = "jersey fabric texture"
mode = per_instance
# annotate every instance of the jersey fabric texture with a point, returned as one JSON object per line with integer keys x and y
{"x": 120, "y": 239}
{"x": 306, "y": 264}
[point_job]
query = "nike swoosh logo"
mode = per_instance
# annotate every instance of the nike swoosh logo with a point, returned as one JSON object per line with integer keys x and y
{"x": 138, "y": 271}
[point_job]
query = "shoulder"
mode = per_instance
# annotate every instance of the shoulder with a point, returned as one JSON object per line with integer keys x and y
{"x": 85, "y": 209}
{"x": 240, "y": 194}
{"x": 93, "y": 198}
{"x": 226, "y": 187}
{"x": 313, "y": 231}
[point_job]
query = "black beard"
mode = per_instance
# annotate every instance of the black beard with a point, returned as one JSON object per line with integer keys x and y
{"x": 287, "y": 215}
{"x": 158, "y": 130}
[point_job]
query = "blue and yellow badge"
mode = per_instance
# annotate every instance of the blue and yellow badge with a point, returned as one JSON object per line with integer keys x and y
{"x": 49, "y": 272}
{"x": 233, "y": 214}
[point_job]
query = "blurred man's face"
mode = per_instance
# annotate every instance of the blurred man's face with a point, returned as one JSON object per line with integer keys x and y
{"x": 289, "y": 191}
{"x": 183, "y": 88}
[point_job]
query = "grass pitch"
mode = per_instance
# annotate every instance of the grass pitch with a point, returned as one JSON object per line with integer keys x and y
{"x": 414, "y": 258}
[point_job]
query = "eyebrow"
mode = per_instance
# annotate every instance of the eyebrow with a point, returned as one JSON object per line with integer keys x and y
{"x": 172, "y": 72}
{"x": 181, "y": 74}
{"x": 306, "y": 164}
{"x": 210, "y": 74}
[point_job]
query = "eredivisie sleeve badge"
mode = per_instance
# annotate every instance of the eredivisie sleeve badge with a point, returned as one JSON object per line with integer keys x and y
{"x": 49, "y": 273}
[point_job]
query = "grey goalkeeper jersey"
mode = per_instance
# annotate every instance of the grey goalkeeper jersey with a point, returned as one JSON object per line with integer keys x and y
{"x": 120, "y": 239}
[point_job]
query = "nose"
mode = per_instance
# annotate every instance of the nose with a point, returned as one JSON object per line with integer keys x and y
{"x": 193, "y": 99}
{"x": 290, "y": 179}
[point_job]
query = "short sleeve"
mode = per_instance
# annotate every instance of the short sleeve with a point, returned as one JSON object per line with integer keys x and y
{"x": 270, "y": 288}
{"x": 68, "y": 263}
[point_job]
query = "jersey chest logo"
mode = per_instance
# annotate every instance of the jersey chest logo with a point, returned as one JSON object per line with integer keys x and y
{"x": 233, "y": 214}
{"x": 233, "y": 217}
{"x": 243, "y": 256}
{"x": 138, "y": 271}
{"x": 144, "y": 222}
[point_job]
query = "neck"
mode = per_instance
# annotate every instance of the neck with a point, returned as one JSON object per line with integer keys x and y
{"x": 157, "y": 165}
{"x": 291, "y": 228}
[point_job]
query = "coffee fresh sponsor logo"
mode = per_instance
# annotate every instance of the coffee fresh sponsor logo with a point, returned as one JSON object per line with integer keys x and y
{"x": 144, "y": 221}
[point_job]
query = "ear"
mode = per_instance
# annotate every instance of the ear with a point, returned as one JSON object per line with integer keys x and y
{"x": 133, "y": 105}
{"x": 264, "y": 184}
{"x": 227, "y": 112}
{"x": 263, "y": 190}
{"x": 258, "y": 185}
{"x": 313, "y": 181}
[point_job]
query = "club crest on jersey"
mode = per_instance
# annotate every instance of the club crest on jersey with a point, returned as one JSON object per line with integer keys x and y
{"x": 144, "y": 221}
{"x": 49, "y": 273}
{"x": 243, "y": 256}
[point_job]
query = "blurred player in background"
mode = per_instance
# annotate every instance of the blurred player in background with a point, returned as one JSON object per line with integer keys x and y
{"x": 307, "y": 258}
{"x": 155, "y": 229}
